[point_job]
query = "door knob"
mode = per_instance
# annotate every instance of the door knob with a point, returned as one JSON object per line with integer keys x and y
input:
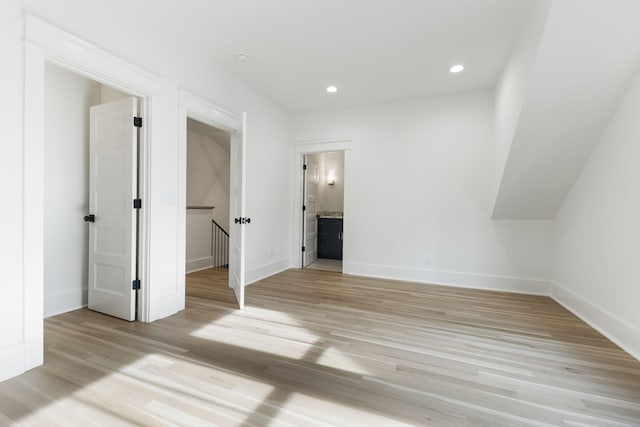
{"x": 90, "y": 218}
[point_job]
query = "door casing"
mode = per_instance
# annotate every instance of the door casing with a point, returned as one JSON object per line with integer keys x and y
{"x": 45, "y": 43}
{"x": 312, "y": 147}
{"x": 310, "y": 254}
{"x": 196, "y": 108}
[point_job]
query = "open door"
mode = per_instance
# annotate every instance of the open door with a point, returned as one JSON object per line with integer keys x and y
{"x": 237, "y": 212}
{"x": 310, "y": 212}
{"x": 112, "y": 218}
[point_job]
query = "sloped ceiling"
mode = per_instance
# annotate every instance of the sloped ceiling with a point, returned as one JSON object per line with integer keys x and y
{"x": 587, "y": 55}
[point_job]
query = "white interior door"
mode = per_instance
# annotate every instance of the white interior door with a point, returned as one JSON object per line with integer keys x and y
{"x": 310, "y": 212}
{"x": 237, "y": 212}
{"x": 112, "y": 188}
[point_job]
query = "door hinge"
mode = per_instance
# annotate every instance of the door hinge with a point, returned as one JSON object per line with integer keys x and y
{"x": 304, "y": 167}
{"x": 304, "y": 249}
{"x": 135, "y": 284}
{"x": 304, "y": 207}
{"x": 137, "y": 122}
{"x": 137, "y": 203}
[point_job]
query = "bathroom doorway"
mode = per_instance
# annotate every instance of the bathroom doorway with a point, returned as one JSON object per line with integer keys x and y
{"x": 323, "y": 211}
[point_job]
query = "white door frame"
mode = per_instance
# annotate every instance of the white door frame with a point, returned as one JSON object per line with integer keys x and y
{"x": 45, "y": 43}
{"x": 196, "y": 108}
{"x": 307, "y": 211}
{"x": 313, "y": 147}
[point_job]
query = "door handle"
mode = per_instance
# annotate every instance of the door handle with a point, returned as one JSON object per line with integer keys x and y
{"x": 90, "y": 218}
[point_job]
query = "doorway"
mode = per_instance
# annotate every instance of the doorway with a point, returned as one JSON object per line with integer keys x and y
{"x": 332, "y": 158}
{"x": 202, "y": 113}
{"x": 89, "y": 126}
{"x": 207, "y": 198}
{"x": 323, "y": 211}
{"x": 44, "y": 45}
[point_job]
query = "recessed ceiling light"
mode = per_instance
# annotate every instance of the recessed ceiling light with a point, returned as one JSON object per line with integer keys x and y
{"x": 332, "y": 89}
{"x": 456, "y": 68}
{"x": 242, "y": 57}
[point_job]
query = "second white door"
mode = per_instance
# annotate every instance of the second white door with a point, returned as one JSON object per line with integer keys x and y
{"x": 237, "y": 212}
{"x": 112, "y": 218}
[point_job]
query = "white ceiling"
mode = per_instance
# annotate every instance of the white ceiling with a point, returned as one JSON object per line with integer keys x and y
{"x": 374, "y": 51}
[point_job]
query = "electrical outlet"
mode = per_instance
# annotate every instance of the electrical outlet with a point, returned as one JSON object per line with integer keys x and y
{"x": 427, "y": 260}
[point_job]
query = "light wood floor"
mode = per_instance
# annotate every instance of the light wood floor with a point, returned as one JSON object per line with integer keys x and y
{"x": 325, "y": 264}
{"x": 317, "y": 348}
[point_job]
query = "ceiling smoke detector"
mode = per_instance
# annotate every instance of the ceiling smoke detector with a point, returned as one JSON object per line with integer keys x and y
{"x": 242, "y": 57}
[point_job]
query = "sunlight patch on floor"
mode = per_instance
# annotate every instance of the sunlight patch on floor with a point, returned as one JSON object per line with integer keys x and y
{"x": 336, "y": 359}
{"x": 170, "y": 392}
{"x": 265, "y": 343}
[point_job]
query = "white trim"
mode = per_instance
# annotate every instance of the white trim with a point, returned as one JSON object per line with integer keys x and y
{"x": 617, "y": 330}
{"x": 45, "y": 43}
{"x": 457, "y": 279}
{"x": 65, "y": 301}
{"x": 322, "y": 145}
{"x": 88, "y": 60}
{"x": 11, "y": 361}
{"x": 194, "y": 265}
{"x": 266, "y": 270}
{"x": 204, "y": 111}
{"x": 319, "y": 146}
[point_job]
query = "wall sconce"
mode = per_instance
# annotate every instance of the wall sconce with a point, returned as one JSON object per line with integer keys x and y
{"x": 331, "y": 179}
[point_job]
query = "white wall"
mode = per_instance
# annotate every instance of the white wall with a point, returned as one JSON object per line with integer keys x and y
{"x": 597, "y": 237}
{"x": 269, "y": 193}
{"x": 208, "y": 175}
{"x": 330, "y": 197}
{"x": 109, "y": 94}
{"x": 419, "y": 193}
{"x": 586, "y": 58}
{"x": 68, "y": 98}
{"x": 511, "y": 88}
{"x": 198, "y": 248}
{"x": 269, "y": 157}
{"x": 11, "y": 185}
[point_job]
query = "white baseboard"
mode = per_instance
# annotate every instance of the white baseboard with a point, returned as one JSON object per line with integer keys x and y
{"x": 618, "y": 331}
{"x": 11, "y": 361}
{"x": 451, "y": 278}
{"x": 63, "y": 302}
{"x": 194, "y": 265}
{"x": 264, "y": 271}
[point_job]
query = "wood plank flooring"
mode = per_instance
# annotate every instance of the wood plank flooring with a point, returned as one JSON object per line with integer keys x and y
{"x": 316, "y": 348}
{"x": 325, "y": 264}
